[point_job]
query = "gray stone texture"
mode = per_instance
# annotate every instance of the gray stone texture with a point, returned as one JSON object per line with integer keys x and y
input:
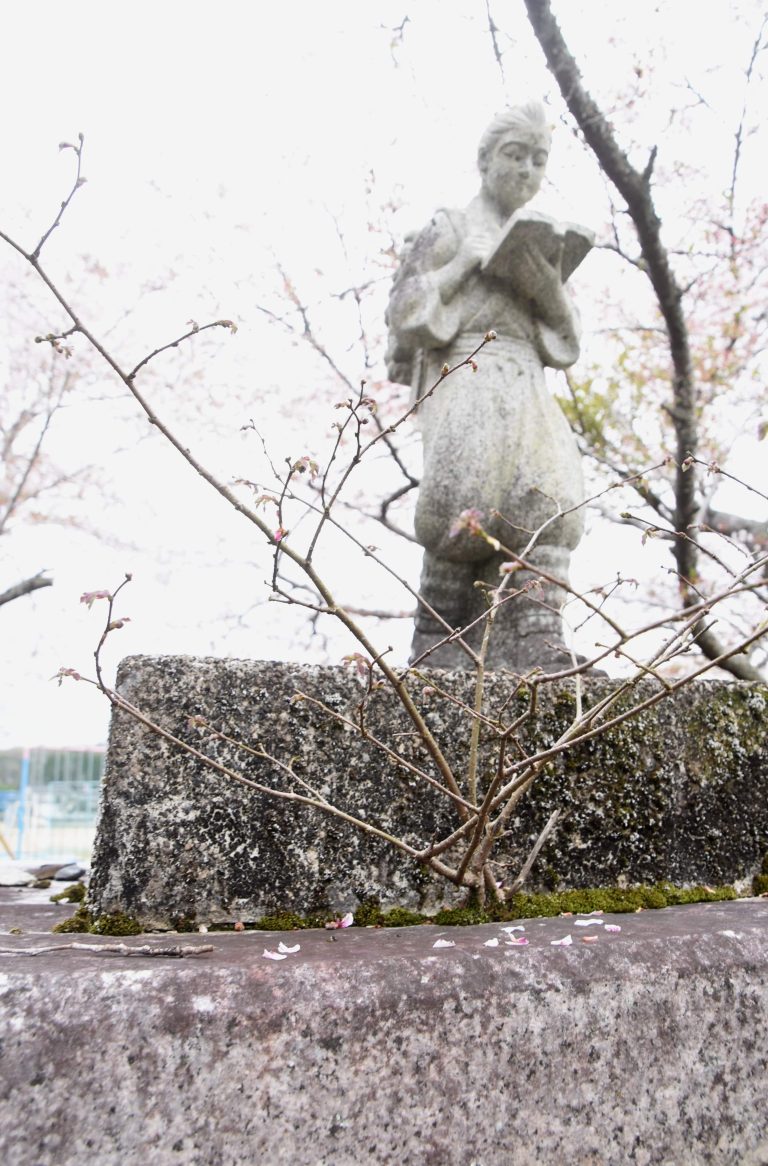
{"x": 645, "y": 1048}
{"x": 679, "y": 793}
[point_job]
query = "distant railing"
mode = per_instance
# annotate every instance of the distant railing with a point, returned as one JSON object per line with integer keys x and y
{"x": 49, "y": 802}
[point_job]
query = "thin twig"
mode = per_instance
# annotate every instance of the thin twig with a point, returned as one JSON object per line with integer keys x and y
{"x": 79, "y": 180}
{"x": 525, "y": 870}
{"x": 176, "y": 951}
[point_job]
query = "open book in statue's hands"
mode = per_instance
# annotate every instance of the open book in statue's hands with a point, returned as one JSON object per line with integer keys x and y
{"x": 531, "y": 229}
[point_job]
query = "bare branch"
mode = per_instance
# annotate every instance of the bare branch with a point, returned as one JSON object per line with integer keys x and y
{"x": 758, "y": 46}
{"x": 79, "y": 180}
{"x": 527, "y": 866}
{"x": 175, "y": 951}
{"x": 26, "y": 587}
{"x": 493, "y": 29}
{"x": 195, "y": 330}
{"x": 635, "y": 191}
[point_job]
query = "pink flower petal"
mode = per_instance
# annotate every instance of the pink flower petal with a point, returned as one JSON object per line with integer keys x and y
{"x": 589, "y": 939}
{"x": 516, "y": 941}
{"x": 88, "y": 597}
{"x": 612, "y": 927}
{"x": 346, "y": 921}
{"x": 274, "y": 955}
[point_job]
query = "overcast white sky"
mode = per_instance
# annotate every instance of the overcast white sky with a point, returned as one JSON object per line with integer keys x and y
{"x": 219, "y": 137}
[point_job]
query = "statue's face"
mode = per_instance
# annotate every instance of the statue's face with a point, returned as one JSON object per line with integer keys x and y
{"x": 514, "y": 171}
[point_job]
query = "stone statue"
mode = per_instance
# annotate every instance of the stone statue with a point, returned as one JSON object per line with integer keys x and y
{"x": 495, "y": 440}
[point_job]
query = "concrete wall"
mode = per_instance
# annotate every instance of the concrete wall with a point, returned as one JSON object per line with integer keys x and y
{"x": 680, "y": 793}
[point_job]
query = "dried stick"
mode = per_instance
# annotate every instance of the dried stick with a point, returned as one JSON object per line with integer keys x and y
{"x": 177, "y": 951}
{"x": 527, "y": 866}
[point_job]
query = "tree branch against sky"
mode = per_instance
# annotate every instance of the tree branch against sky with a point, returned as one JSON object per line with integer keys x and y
{"x": 635, "y": 188}
{"x": 33, "y": 487}
{"x": 24, "y": 587}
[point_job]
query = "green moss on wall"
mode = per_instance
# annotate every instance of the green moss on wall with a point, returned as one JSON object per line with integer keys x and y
{"x": 83, "y": 922}
{"x": 522, "y": 906}
{"x": 79, "y": 922}
{"x": 115, "y": 924}
{"x": 73, "y": 894}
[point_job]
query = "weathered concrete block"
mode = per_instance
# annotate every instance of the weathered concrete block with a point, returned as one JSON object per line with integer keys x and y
{"x": 645, "y": 1047}
{"x": 681, "y": 793}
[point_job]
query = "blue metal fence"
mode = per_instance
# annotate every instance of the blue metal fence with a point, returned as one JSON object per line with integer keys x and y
{"x": 49, "y": 802}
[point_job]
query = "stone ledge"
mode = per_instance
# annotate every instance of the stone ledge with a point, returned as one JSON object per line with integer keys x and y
{"x": 647, "y": 1047}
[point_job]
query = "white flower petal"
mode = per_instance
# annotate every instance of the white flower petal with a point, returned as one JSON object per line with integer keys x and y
{"x": 285, "y": 950}
{"x": 587, "y": 922}
{"x": 443, "y": 943}
{"x": 274, "y": 955}
{"x": 566, "y": 942}
{"x": 491, "y": 943}
{"x": 517, "y": 927}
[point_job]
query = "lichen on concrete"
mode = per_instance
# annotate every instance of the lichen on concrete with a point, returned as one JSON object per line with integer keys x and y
{"x": 677, "y": 794}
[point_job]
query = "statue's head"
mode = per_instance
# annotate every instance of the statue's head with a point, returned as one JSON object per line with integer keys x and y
{"x": 512, "y": 155}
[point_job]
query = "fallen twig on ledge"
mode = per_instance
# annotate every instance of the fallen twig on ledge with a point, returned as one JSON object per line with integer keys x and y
{"x": 175, "y": 952}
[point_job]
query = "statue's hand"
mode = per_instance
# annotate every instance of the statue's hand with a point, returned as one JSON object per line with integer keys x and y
{"x": 544, "y": 283}
{"x": 475, "y": 246}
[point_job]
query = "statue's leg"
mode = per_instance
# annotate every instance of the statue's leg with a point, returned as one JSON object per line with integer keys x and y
{"x": 447, "y": 588}
{"x": 528, "y": 627}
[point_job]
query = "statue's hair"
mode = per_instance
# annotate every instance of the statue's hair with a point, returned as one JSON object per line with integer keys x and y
{"x": 529, "y": 120}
